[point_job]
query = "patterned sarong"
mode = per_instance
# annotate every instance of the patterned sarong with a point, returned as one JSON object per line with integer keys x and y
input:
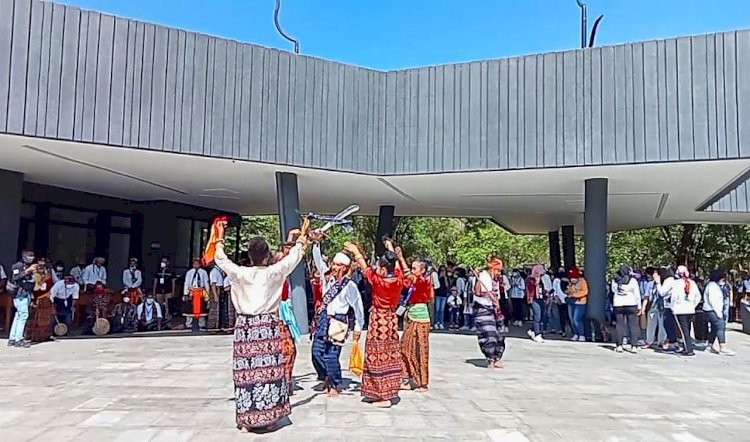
{"x": 381, "y": 379}
{"x": 415, "y": 353}
{"x": 288, "y": 353}
{"x": 491, "y": 341}
{"x": 220, "y": 313}
{"x": 260, "y": 386}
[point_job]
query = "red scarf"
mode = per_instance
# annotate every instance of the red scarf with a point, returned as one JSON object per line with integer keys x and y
{"x": 210, "y": 253}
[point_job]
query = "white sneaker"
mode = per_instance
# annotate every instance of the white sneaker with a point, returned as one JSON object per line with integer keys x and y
{"x": 726, "y": 352}
{"x": 582, "y": 339}
{"x": 531, "y": 334}
{"x": 618, "y": 349}
{"x": 539, "y": 339}
{"x": 473, "y": 329}
{"x": 574, "y": 338}
{"x": 634, "y": 349}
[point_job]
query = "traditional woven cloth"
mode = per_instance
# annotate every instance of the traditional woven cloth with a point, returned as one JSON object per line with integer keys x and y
{"x": 382, "y": 372}
{"x": 260, "y": 384}
{"x": 415, "y": 353}
{"x": 491, "y": 341}
{"x": 220, "y": 313}
{"x": 288, "y": 353}
{"x": 39, "y": 328}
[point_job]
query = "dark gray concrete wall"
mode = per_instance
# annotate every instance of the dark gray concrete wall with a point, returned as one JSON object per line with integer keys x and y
{"x": 11, "y": 193}
{"x": 90, "y": 77}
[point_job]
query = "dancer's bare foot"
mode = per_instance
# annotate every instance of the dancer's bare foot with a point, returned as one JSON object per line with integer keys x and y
{"x": 382, "y": 404}
{"x": 498, "y": 364}
{"x": 333, "y": 392}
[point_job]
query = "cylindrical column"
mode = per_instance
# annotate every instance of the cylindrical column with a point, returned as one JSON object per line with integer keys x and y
{"x": 554, "y": 250}
{"x": 595, "y": 245}
{"x": 385, "y": 228}
{"x": 287, "y": 195}
{"x": 569, "y": 246}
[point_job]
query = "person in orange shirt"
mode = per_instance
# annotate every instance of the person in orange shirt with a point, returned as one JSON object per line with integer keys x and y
{"x": 578, "y": 290}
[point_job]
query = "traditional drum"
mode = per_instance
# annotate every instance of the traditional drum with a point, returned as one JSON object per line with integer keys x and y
{"x": 195, "y": 307}
{"x": 101, "y": 327}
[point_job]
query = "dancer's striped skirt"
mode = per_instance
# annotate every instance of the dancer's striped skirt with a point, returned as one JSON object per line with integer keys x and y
{"x": 260, "y": 384}
{"x": 491, "y": 341}
{"x": 381, "y": 379}
{"x": 415, "y": 353}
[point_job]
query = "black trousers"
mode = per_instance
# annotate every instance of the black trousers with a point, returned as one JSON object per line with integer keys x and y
{"x": 505, "y": 308}
{"x": 684, "y": 322}
{"x": 562, "y": 310}
{"x": 518, "y": 306}
{"x": 627, "y": 325}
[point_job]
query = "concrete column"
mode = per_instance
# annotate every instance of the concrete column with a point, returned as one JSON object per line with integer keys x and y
{"x": 569, "y": 246}
{"x": 11, "y": 196}
{"x": 287, "y": 195}
{"x": 554, "y": 250}
{"x": 385, "y": 227}
{"x": 595, "y": 245}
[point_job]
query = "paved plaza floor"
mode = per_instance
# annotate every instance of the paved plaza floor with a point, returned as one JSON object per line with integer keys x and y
{"x": 179, "y": 388}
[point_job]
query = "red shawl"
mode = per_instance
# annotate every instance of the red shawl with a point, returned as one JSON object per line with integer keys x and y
{"x": 210, "y": 253}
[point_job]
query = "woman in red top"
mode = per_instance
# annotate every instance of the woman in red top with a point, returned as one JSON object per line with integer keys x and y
{"x": 415, "y": 343}
{"x": 381, "y": 379}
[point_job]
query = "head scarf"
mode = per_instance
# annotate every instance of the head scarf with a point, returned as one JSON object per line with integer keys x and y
{"x": 342, "y": 259}
{"x": 623, "y": 275}
{"x": 684, "y": 274}
{"x": 537, "y": 271}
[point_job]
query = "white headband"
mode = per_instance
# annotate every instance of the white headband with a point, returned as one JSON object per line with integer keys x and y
{"x": 342, "y": 259}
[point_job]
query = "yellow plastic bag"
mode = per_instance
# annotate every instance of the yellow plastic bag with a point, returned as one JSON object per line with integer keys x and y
{"x": 356, "y": 364}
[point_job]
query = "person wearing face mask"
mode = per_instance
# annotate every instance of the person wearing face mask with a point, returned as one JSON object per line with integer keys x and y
{"x": 64, "y": 295}
{"x": 713, "y": 308}
{"x": 58, "y": 272}
{"x": 77, "y": 272}
{"x": 194, "y": 295}
{"x": 517, "y": 294}
{"x": 20, "y": 286}
{"x": 150, "y": 317}
{"x": 43, "y": 311}
{"x": 132, "y": 280}
{"x": 124, "y": 316}
{"x": 94, "y": 273}
{"x": 164, "y": 287}
{"x": 101, "y": 306}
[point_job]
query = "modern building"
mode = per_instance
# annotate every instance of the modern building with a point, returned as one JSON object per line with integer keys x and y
{"x": 124, "y": 138}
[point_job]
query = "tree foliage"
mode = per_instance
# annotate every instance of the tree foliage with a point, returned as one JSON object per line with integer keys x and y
{"x": 469, "y": 241}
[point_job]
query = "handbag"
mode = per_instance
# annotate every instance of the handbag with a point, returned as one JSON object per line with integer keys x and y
{"x": 337, "y": 331}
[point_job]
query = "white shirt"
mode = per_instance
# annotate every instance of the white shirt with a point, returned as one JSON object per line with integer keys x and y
{"x": 216, "y": 277}
{"x": 519, "y": 289}
{"x": 227, "y": 283}
{"x": 713, "y": 299}
{"x": 77, "y": 273}
{"x": 557, "y": 287}
{"x": 62, "y": 291}
{"x": 664, "y": 289}
{"x": 626, "y": 295}
{"x": 435, "y": 280}
{"x": 93, "y": 274}
{"x": 149, "y": 309}
{"x": 746, "y": 286}
{"x": 257, "y": 290}
{"x": 2, "y": 273}
{"x": 349, "y": 295}
{"x": 683, "y": 304}
{"x": 485, "y": 285}
{"x": 196, "y": 278}
{"x": 127, "y": 279}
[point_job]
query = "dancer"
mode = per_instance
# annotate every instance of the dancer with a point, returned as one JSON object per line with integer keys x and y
{"x": 260, "y": 385}
{"x": 415, "y": 343}
{"x": 381, "y": 379}
{"x": 487, "y": 315}
{"x": 339, "y": 294}
{"x": 288, "y": 328}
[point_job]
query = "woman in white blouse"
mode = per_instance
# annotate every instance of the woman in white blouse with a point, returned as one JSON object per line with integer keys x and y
{"x": 713, "y": 307}
{"x": 627, "y": 305}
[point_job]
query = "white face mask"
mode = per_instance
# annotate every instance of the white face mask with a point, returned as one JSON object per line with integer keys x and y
{"x": 126, "y": 299}
{"x": 150, "y": 301}
{"x": 164, "y": 264}
{"x": 59, "y": 269}
{"x": 132, "y": 267}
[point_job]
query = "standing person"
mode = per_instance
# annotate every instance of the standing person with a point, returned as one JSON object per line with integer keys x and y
{"x": 21, "y": 285}
{"x": 517, "y": 295}
{"x": 488, "y": 316}
{"x": 42, "y": 315}
{"x": 559, "y": 300}
{"x": 462, "y": 287}
{"x": 685, "y": 297}
{"x": 77, "y": 272}
{"x": 164, "y": 287}
{"x": 441, "y": 298}
{"x": 655, "y": 333}
{"x": 578, "y": 292}
{"x": 415, "y": 343}
{"x": 132, "y": 280}
{"x": 94, "y": 273}
{"x": 218, "y": 308}
{"x": 339, "y": 295}
{"x": 381, "y": 379}
{"x": 538, "y": 290}
{"x": 454, "y": 308}
{"x": 713, "y": 307}
{"x": 627, "y": 305}
{"x": 261, "y": 391}
{"x": 664, "y": 284}
{"x": 194, "y": 293}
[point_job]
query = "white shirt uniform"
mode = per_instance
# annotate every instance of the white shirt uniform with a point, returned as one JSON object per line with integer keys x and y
{"x": 132, "y": 279}
{"x": 77, "y": 273}
{"x": 257, "y": 290}
{"x": 626, "y": 295}
{"x": 196, "y": 278}
{"x": 349, "y": 295}
{"x": 62, "y": 291}
{"x": 150, "y": 310}
{"x": 216, "y": 278}
{"x": 227, "y": 283}
{"x": 2, "y": 273}
{"x": 93, "y": 274}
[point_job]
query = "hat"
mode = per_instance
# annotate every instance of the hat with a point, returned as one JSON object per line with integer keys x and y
{"x": 342, "y": 259}
{"x": 574, "y": 273}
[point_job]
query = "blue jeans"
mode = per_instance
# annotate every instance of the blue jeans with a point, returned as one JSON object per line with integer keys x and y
{"x": 718, "y": 328}
{"x": 577, "y": 319}
{"x": 455, "y": 315}
{"x": 553, "y": 316}
{"x": 540, "y": 315}
{"x": 468, "y": 320}
{"x": 21, "y": 303}
{"x": 440, "y": 309}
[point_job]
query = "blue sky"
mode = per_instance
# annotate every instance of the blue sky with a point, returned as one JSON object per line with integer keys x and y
{"x": 392, "y": 34}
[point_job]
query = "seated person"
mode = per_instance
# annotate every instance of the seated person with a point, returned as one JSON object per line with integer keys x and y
{"x": 100, "y": 307}
{"x": 150, "y": 317}
{"x": 124, "y": 320}
{"x": 64, "y": 295}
